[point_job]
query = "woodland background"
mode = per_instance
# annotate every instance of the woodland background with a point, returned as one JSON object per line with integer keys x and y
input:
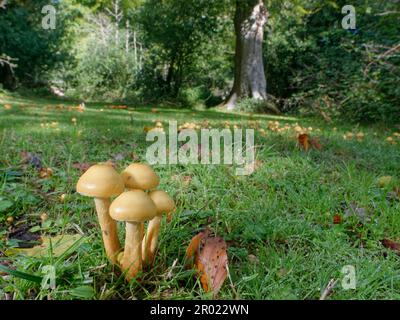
{"x": 183, "y": 52}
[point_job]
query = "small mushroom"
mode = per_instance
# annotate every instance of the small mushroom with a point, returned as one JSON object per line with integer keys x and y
{"x": 140, "y": 176}
{"x": 102, "y": 182}
{"x": 164, "y": 204}
{"x": 134, "y": 207}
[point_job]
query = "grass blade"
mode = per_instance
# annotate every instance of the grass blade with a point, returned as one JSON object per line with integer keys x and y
{"x": 21, "y": 275}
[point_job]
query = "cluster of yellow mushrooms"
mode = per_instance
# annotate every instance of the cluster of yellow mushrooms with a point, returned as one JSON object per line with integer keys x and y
{"x": 137, "y": 202}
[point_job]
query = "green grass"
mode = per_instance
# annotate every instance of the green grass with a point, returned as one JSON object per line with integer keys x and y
{"x": 278, "y": 222}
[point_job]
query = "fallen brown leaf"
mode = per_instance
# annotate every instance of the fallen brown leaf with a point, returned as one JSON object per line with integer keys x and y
{"x": 58, "y": 244}
{"x": 209, "y": 257}
{"x": 211, "y": 264}
{"x": 337, "y": 219}
{"x": 46, "y": 173}
{"x": 193, "y": 248}
{"x": 304, "y": 141}
{"x": 81, "y": 108}
{"x": 392, "y": 245}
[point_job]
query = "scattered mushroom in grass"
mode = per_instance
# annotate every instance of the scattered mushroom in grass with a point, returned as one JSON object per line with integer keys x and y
{"x": 133, "y": 207}
{"x": 164, "y": 204}
{"x": 140, "y": 176}
{"x": 102, "y": 182}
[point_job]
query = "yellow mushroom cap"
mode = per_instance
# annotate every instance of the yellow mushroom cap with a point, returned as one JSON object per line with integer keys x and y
{"x": 140, "y": 176}
{"x": 164, "y": 203}
{"x": 100, "y": 181}
{"x": 135, "y": 206}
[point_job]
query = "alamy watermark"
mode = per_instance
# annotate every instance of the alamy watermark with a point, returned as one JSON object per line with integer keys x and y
{"x": 50, "y": 19}
{"x": 238, "y": 147}
{"x": 3, "y": 4}
{"x": 49, "y": 278}
{"x": 349, "y": 280}
{"x": 349, "y": 21}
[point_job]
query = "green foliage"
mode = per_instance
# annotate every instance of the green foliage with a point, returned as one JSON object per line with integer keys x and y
{"x": 311, "y": 58}
{"x": 36, "y": 50}
{"x": 180, "y": 36}
{"x": 107, "y": 52}
{"x": 184, "y": 50}
{"x": 104, "y": 71}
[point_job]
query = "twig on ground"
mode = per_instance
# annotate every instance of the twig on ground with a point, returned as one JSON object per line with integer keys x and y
{"x": 169, "y": 274}
{"x": 329, "y": 289}
{"x": 98, "y": 267}
{"x": 77, "y": 228}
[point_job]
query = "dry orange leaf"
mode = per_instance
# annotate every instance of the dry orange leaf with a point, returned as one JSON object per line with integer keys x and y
{"x": 210, "y": 259}
{"x": 337, "y": 219}
{"x": 193, "y": 248}
{"x": 304, "y": 141}
{"x": 59, "y": 245}
{"x": 7, "y": 107}
{"x": 392, "y": 245}
{"x": 211, "y": 263}
{"x": 46, "y": 173}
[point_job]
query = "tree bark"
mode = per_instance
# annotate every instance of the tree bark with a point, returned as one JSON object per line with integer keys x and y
{"x": 7, "y": 77}
{"x": 250, "y": 19}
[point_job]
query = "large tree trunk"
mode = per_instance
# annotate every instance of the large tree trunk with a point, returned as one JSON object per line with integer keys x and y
{"x": 250, "y": 18}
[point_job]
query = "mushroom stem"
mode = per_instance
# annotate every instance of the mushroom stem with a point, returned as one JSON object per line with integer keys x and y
{"x": 108, "y": 227}
{"x": 132, "y": 261}
{"x": 151, "y": 239}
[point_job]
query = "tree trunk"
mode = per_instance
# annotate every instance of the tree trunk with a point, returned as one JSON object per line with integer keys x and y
{"x": 7, "y": 77}
{"x": 250, "y": 18}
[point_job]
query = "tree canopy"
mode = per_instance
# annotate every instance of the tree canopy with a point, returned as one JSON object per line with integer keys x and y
{"x": 185, "y": 50}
